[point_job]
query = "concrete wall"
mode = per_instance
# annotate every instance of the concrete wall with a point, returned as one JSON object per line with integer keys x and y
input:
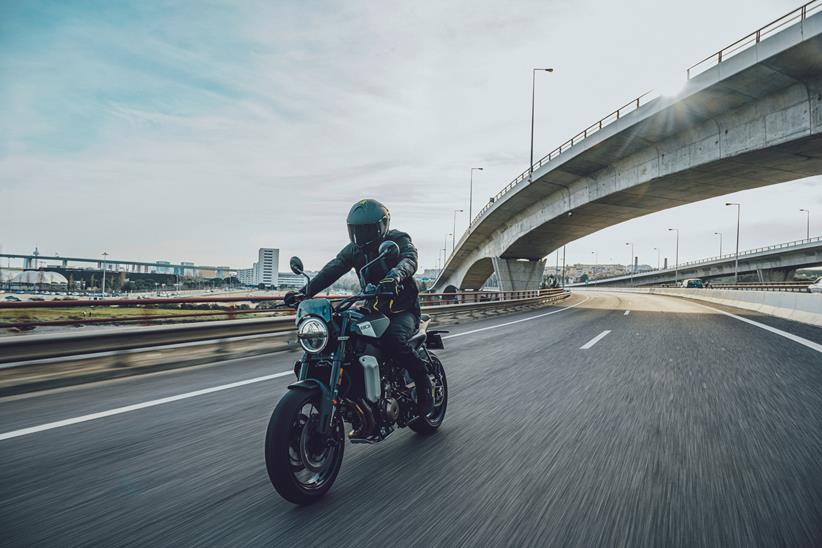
{"x": 800, "y": 307}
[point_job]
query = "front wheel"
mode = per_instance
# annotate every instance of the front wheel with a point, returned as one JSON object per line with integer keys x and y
{"x": 428, "y": 424}
{"x": 301, "y": 464}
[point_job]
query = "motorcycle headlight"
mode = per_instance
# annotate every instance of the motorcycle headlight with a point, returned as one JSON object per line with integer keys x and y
{"x": 312, "y": 334}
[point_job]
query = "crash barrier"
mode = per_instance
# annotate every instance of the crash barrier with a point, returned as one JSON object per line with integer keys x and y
{"x": 23, "y": 314}
{"x": 798, "y": 287}
{"x": 800, "y": 307}
{"x": 33, "y": 362}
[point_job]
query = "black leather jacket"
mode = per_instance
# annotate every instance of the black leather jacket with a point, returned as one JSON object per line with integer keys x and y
{"x": 351, "y": 256}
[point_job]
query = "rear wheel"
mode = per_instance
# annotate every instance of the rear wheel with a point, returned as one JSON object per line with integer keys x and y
{"x": 301, "y": 464}
{"x": 428, "y": 424}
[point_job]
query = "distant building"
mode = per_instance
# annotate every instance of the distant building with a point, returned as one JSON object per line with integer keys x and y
{"x": 289, "y": 280}
{"x": 246, "y": 276}
{"x": 266, "y": 269}
{"x": 164, "y": 267}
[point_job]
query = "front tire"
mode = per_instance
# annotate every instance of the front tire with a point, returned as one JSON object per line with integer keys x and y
{"x": 429, "y": 424}
{"x": 300, "y": 465}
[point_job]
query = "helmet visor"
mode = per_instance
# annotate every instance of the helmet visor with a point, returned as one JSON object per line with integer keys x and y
{"x": 363, "y": 235}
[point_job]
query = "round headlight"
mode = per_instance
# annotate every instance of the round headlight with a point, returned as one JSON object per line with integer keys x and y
{"x": 312, "y": 334}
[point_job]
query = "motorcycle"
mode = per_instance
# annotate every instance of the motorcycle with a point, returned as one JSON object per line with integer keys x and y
{"x": 345, "y": 377}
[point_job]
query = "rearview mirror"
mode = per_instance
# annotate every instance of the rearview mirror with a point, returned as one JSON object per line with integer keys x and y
{"x": 389, "y": 249}
{"x": 296, "y": 265}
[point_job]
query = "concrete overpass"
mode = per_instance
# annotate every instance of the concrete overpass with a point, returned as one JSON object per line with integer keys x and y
{"x": 752, "y": 119}
{"x": 776, "y": 263}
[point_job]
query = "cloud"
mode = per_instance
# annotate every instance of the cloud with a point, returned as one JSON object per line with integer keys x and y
{"x": 201, "y": 131}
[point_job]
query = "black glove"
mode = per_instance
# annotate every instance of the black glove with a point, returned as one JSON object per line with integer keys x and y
{"x": 387, "y": 291}
{"x": 389, "y": 284}
{"x": 293, "y": 298}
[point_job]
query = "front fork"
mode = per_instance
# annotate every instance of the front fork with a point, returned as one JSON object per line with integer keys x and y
{"x": 328, "y": 398}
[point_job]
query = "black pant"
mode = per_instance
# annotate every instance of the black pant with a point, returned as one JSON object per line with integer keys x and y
{"x": 395, "y": 341}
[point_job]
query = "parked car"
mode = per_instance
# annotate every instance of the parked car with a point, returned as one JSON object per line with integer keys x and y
{"x": 693, "y": 283}
{"x": 816, "y": 287}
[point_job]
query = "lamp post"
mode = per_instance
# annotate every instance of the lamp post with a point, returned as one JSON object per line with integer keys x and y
{"x": 676, "y": 268}
{"x": 658, "y": 253}
{"x": 720, "y": 243}
{"x": 632, "y": 261}
{"x": 453, "y": 234}
{"x": 563, "y": 266}
{"x": 471, "y": 196}
{"x": 736, "y": 261}
{"x": 105, "y": 255}
{"x": 533, "y": 90}
{"x": 596, "y": 262}
{"x": 807, "y": 223}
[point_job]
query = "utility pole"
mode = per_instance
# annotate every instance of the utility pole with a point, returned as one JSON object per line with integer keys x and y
{"x": 632, "y": 260}
{"x": 533, "y": 90}
{"x": 563, "y": 266}
{"x": 471, "y": 196}
{"x": 736, "y": 261}
{"x": 105, "y": 255}
{"x": 807, "y": 223}
{"x": 676, "y": 268}
{"x": 453, "y": 234}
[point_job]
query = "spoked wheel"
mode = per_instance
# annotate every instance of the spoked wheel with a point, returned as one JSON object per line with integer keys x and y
{"x": 301, "y": 464}
{"x": 429, "y": 423}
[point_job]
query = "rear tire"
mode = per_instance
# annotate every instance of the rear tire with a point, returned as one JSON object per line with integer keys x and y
{"x": 288, "y": 446}
{"x": 430, "y": 423}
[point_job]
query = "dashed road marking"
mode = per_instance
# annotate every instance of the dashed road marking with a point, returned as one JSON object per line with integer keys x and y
{"x": 595, "y": 340}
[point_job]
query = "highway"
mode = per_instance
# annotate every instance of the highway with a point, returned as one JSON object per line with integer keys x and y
{"x": 610, "y": 419}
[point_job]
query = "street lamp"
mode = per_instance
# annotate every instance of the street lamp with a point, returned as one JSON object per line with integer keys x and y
{"x": 736, "y": 261}
{"x": 471, "y": 196}
{"x": 105, "y": 255}
{"x": 453, "y": 234}
{"x": 596, "y": 262}
{"x": 658, "y": 253}
{"x": 533, "y": 89}
{"x": 632, "y": 261}
{"x": 720, "y": 243}
{"x": 807, "y": 223}
{"x": 676, "y": 267}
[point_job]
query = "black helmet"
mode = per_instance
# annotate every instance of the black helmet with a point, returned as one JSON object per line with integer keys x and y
{"x": 367, "y": 222}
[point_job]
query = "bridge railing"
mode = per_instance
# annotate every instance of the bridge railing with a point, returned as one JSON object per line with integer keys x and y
{"x": 799, "y": 14}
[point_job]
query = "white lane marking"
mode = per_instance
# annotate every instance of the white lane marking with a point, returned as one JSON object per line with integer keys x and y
{"x": 169, "y": 399}
{"x": 627, "y": 312}
{"x": 515, "y": 321}
{"x": 795, "y": 338}
{"x": 136, "y": 406}
{"x": 595, "y": 340}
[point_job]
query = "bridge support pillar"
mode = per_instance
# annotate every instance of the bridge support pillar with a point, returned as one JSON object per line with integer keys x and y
{"x": 518, "y": 275}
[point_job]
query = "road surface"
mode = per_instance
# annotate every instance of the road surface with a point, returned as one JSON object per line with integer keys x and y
{"x": 609, "y": 420}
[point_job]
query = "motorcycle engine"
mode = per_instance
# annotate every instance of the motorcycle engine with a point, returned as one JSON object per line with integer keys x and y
{"x": 390, "y": 409}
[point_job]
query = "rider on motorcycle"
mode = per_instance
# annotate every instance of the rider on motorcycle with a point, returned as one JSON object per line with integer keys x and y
{"x": 368, "y": 223}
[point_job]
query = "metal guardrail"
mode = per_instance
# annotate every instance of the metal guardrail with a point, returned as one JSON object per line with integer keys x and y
{"x": 230, "y": 312}
{"x": 796, "y": 287}
{"x": 33, "y": 347}
{"x": 796, "y": 15}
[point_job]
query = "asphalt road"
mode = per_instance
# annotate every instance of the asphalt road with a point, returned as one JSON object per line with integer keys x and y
{"x": 681, "y": 426}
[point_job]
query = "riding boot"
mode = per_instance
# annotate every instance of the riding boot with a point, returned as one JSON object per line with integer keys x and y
{"x": 425, "y": 403}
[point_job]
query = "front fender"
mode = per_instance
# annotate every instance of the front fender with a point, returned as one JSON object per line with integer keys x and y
{"x": 326, "y": 406}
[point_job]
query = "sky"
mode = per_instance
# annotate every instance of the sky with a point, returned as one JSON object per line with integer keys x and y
{"x": 201, "y": 131}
